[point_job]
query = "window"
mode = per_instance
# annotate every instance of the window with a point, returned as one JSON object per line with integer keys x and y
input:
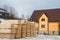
{"x": 42, "y": 26}
{"x": 43, "y": 19}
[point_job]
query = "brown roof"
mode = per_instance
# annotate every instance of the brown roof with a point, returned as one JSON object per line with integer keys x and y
{"x": 52, "y": 14}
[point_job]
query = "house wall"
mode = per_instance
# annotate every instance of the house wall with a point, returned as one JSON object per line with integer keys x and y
{"x": 43, "y": 30}
{"x": 59, "y": 28}
{"x": 50, "y": 27}
{"x": 53, "y": 28}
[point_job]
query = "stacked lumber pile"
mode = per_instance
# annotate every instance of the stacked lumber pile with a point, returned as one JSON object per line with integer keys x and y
{"x": 26, "y": 29}
{"x": 20, "y": 29}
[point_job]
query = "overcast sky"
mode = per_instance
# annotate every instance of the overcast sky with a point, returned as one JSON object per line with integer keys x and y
{"x": 27, "y": 7}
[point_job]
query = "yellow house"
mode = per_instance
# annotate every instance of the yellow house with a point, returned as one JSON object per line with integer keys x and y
{"x": 48, "y": 21}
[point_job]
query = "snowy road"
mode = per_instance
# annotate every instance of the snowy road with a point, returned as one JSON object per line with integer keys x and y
{"x": 39, "y": 37}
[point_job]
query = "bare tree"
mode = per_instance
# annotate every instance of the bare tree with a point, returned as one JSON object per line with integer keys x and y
{"x": 22, "y": 16}
{"x": 11, "y": 11}
{"x": 28, "y": 18}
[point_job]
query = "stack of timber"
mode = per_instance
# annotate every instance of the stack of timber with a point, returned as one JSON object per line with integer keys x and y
{"x": 18, "y": 33}
{"x": 22, "y": 29}
{"x": 32, "y": 29}
{"x": 13, "y": 30}
{"x": 35, "y": 30}
{"x": 5, "y": 31}
{"x": 28, "y": 30}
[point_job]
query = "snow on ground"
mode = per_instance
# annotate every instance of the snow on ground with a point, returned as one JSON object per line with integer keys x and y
{"x": 39, "y": 37}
